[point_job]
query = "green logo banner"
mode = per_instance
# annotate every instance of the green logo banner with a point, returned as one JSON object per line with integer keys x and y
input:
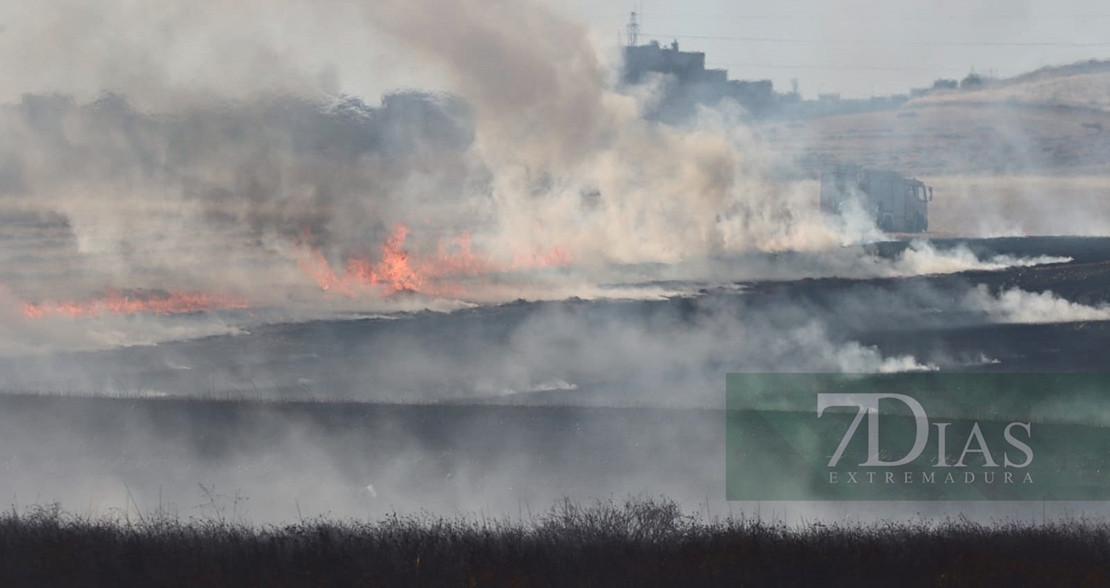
{"x": 918, "y": 436}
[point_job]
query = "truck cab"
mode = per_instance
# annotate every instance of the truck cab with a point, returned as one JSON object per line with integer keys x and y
{"x": 897, "y": 203}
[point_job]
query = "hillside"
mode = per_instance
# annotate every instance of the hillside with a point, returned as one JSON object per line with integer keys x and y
{"x": 1084, "y": 85}
{"x": 1053, "y": 121}
{"x": 1025, "y": 155}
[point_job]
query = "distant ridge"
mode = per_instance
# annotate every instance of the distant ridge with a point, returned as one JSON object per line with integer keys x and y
{"x": 1090, "y": 66}
{"x": 1082, "y": 85}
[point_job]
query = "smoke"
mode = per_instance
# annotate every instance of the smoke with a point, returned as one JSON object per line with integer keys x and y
{"x": 669, "y": 352}
{"x": 186, "y": 177}
{"x": 220, "y": 180}
{"x": 922, "y": 258}
{"x": 228, "y": 147}
{"x": 551, "y": 130}
{"x": 179, "y": 54}
{"x": 530, "y": 71}
{"x": 1023, "y": 204}
{"x": 675, "y": 354}
{"x": 1019, "y": 306}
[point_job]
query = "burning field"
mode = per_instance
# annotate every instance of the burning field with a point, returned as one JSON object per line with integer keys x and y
{"x": 245, "y": 305}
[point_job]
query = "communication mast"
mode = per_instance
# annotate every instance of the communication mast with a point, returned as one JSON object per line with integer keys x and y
{"x": 633, "y": 30}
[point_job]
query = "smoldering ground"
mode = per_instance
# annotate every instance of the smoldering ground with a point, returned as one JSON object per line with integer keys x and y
{"x": 499, "y": 407}
{"x": 657, "y": 350}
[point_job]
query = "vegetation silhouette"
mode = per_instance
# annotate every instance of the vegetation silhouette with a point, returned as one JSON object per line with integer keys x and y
{"x": 640, "y": 541}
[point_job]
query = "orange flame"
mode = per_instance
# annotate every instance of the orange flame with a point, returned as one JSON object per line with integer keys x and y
{"x": 458, "y": 260}
{"x": 393, "y": 271}
{"x": 394, "y": 267}
{"x": 397, "y": 271}
{"x": 117, "y": 302}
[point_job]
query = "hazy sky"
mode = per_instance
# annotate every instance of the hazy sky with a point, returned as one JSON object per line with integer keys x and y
{"x": 860, "y": 47}
{"x": 854, "y": 47}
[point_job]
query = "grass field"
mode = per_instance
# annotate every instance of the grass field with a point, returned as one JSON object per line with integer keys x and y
{"x": 1025, "y": 158}
{"x": 638, "y": 542}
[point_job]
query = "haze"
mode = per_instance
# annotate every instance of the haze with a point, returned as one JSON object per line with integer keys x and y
{"x": 858, "y": 48}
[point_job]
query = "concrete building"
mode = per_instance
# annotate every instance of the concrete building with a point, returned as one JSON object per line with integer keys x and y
{"x": 687, "y": 83}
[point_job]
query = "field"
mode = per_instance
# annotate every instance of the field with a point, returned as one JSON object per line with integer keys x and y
{"x": 641, "y": 542}
{"x": 280, "y": 340}
{"x": 303, "y": 420}
{"x": 184, "y": 463}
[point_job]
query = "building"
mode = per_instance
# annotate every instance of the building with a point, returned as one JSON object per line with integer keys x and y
{"x": 688, "y": 83}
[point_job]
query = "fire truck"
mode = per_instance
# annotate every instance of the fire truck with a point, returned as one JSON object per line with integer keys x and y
{"x": 897, "y": 203}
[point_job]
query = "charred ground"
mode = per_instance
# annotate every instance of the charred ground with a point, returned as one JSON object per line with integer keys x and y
{"x": 243, "y": 449}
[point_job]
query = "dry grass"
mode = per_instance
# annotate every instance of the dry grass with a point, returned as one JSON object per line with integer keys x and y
{"x": 635, "y": 543}
{"x": 1083, "y": 85}
{"x": 953, "y": 139}
{"x": 1055, "y": 121}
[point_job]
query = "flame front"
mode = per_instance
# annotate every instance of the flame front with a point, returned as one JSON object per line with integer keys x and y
{"x": 125, "y": 304}
{"x": 397, "y": 271}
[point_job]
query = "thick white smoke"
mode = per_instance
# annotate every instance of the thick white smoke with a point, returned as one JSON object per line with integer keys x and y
{"x": 922, "y": 258}
{"x": 197, "y": 173}
{"x": 184, "y": 146}
{"x": 1018, "y": 306}
{"x": 551, "y": 130}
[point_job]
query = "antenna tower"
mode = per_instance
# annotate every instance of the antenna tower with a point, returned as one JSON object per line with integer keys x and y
{"x": 633, "y": 30}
